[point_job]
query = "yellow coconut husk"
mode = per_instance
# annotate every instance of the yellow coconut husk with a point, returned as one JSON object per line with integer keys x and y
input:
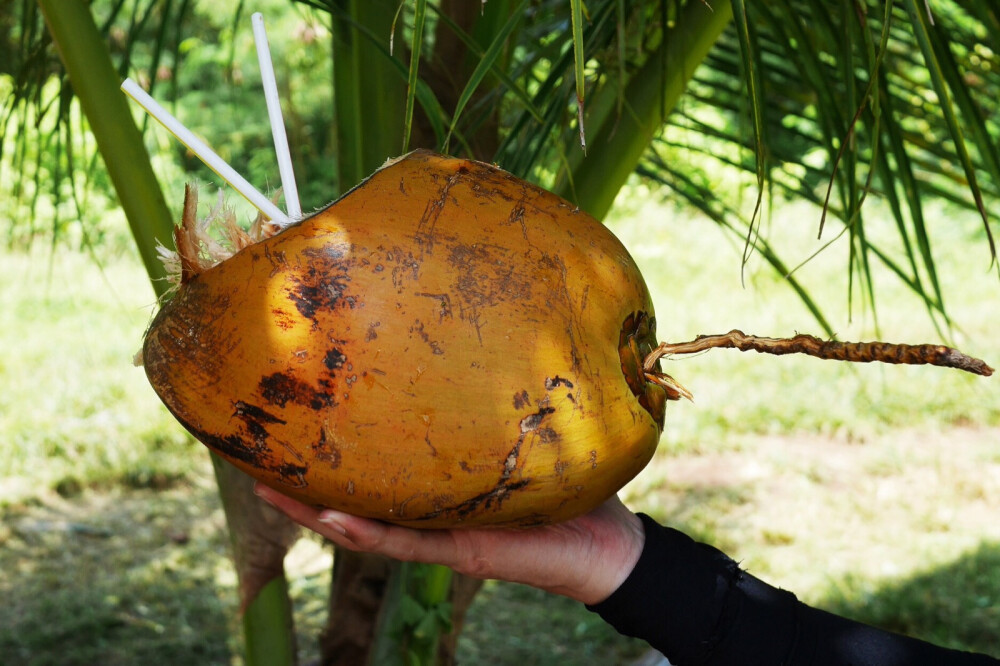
{"x": 446, "y": 345}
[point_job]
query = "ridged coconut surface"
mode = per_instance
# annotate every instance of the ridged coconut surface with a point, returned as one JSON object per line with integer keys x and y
{"x": 445, "y": 345}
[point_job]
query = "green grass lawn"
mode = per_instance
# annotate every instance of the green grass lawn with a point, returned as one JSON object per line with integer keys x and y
{"x": 871, "y": 490}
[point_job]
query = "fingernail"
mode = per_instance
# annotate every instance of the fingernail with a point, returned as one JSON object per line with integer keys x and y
{"x": 259, "y": 491}
{"x": 332, "y": 519}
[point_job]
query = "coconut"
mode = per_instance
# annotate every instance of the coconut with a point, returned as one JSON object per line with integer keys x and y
{"x": 445, "y": 345}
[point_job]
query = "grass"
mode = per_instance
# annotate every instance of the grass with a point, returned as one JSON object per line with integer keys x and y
{"x": 75, "y": 411}
{"x": 693, "y": 272}
{"x": 516, "y": 625}
{"x": 871, "y": 491}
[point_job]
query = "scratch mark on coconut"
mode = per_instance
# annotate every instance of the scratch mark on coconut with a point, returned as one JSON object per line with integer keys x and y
{"x": 516, "y": 216}
{"x": 529, "y": 425}
{"x": 326, "y": 449}
{"x": 292, "y": 475}
{"x": 426, "y": 235}
{"x": 283, "y": 318}
{"x": 419, "y": 329}
{"x": 405, "y": 265}
{"x": 444, "y": 302}
{"x": 276, "y": 259}
{"x": 476, "y": 320}
{"x": 427, "y": 441}
{"x": 576, "y": 330}
{"x": 487, "y": 276}
{"x": 487, "y": 183}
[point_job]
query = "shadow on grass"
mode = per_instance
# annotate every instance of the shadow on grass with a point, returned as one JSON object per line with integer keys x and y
{"x": 126, "y": 576}
{"x": 119, "y": 578}
{"x": 956, "y": 606}
{"x": 517, "y": 625}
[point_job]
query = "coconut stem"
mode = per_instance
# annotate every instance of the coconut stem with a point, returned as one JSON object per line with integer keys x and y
{"x": 185, "y": 236}
{"x": 859, "y": 352}
{"x": 675, "y": 390}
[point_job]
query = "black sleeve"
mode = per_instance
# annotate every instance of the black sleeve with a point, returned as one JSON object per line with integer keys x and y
{"x": 696, "y": 606}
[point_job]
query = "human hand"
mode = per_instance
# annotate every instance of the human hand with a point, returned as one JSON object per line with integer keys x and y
{"x": 586, "y": 558}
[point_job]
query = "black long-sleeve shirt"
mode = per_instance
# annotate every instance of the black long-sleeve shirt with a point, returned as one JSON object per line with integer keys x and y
{"x": 696, "y": 606}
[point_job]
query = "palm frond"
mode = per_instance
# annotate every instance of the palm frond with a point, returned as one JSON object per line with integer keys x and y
{"x": 38, "y": 142}
{"x": 844, "y": 101}
{"x": 857, "y": 99}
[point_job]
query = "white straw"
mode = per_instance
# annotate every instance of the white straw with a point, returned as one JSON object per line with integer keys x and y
{"x": 288, "y": 186}
{"x": 204, "y": 153}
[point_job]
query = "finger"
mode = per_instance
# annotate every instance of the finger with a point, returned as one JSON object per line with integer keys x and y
{"x": 366, "y": 535}
{"x": 400, "y": 543}
{"x": 305, "y": 515}
{"x": 301, "y": 513}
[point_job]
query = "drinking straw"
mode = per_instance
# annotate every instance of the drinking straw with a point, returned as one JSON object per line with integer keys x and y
{"x": 205, "y": 154}
{"x": 288, "y": 186}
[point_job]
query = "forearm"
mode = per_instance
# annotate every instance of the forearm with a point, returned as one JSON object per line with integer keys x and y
{"x": 694, "y": 604}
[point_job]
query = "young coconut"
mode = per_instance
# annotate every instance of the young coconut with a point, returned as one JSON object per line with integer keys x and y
{"x": 446, "y": 345}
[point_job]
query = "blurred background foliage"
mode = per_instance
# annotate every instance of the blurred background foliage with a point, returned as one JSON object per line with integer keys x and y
{"x": 822, "y": 102}
{"x": 55, "y": 186}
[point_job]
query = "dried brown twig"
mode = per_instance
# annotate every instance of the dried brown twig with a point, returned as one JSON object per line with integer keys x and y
{"x": 858, "y": 352}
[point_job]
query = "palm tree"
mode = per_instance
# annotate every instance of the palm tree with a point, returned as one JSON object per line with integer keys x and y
{"x": 828, "y": 102}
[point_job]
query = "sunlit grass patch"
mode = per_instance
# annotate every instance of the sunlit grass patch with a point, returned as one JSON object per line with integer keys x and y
{"x": 74, "y": 410}
{"x": 693, "y": 272}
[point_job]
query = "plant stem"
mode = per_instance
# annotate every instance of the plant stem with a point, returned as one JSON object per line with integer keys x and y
{"x": 832, "y": 350}
{"x": 268, "y": 616}
{"x": 415, "y": 613}
{"x": 95, "y": 83}
{"x": 268, "y": 633}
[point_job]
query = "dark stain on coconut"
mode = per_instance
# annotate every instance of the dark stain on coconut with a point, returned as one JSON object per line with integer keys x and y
{"x": 334, "y": 360}
{"x": 323, "y": 282}
{"x": 280, "y": 389}
{"x": 532, "y": 421}
{"x": 552, "y": 383}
